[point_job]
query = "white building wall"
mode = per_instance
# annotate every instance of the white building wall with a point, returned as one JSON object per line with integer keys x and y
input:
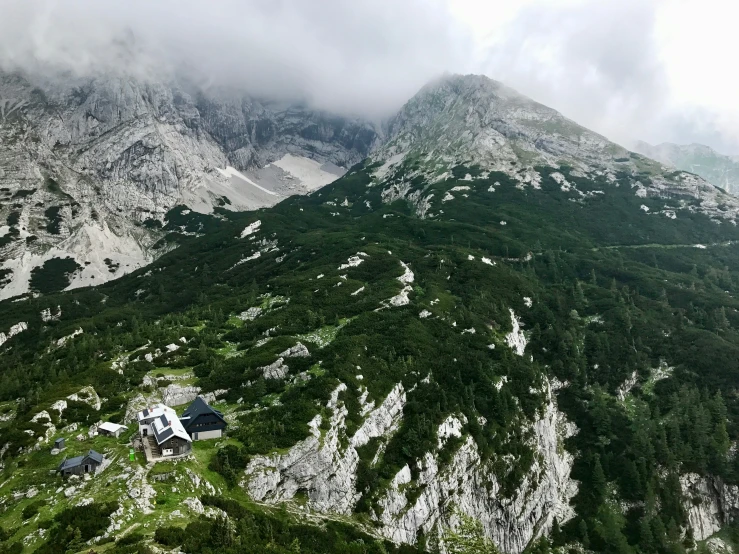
{"x": 205, "y": 435}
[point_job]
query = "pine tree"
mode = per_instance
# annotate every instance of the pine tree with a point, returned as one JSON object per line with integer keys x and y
{"x": 599, "y": 485}
{"x": 582, "y": 530}
{"x": 647, "y": 543}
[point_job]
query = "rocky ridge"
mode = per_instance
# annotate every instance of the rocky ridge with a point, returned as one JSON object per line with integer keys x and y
{"x": 326, "y": 471}
{"x": 472, "y": 120}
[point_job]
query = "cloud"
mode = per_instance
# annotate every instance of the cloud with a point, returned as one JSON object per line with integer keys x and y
{"x": 597, "y": 62}
{"x": 629, "y": 69}
{"x": 363, "y": 56}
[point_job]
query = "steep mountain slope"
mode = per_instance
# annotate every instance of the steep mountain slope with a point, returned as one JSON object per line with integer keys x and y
{"x": 474, "y": 120}
{"x": 555, "y": 359}
{"x": 479, "y": 119}
{"x": 721, "y": 170}
{"x": 90, "y": 167}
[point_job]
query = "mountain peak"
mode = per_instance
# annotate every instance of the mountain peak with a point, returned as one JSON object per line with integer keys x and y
{"x": 714, "y": 167}
{"x": 475, "y": 119}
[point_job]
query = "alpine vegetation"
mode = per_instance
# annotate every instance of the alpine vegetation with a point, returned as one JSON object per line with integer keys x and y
{"x": 493, "y": 331}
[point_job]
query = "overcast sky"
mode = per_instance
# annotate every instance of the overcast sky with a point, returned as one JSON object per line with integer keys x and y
{"x": 659, "y": 70}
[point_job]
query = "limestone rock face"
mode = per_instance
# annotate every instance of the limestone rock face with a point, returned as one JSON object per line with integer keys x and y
{"x": 276, "y": 370}
{"x": 297, "y": 351}
{"x": 323, "y": 469}
{"x": 176, "y": 395}
{"x": 318, "y": 465}
{"x": 710, "y": 504}
{"x": 85, "y": 161}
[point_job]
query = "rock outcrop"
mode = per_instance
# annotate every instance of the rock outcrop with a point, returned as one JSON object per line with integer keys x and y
{"x": 710, "y": 504}
{"x": 325, "y": 471}
{"x": 176, "y": 395}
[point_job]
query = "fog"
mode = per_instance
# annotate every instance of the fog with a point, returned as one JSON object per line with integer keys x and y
{"x": 365, "y": 56}
{"x": 657, "y": 70}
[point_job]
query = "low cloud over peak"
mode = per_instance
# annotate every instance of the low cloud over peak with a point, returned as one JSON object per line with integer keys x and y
{"x": 362, "y": 57}
{"x": 657, "y": 70}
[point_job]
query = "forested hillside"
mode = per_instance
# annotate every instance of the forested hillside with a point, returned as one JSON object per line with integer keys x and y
{"x": 559, "y": 363}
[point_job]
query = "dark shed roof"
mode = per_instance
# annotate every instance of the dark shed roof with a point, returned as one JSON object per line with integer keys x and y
{"x": 95, "y": 456}
{"x": 77, "y": 461}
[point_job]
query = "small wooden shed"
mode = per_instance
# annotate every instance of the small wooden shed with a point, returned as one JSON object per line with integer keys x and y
{"x": 111, "y": 429}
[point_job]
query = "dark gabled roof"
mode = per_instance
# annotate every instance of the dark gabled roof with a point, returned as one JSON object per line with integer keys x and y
{"x": 70, "y": 463}
{"x": 95, "y": 456}
{"x": 198, "y": 407}
{"x": 77, "y": 461}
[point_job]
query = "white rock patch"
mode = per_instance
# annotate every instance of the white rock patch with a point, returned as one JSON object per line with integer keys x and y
{"x": 450, "y": 427}
{"x": 251, "y": 229}
{"x": 276, "y": 370}
{"x": 353, "y": 261}
{"x": 516, "y": 339}
{"x": 47, "y": 315}
{"x": 62, "y": 341}
{"x": 401, "y": 299}
{"x": 14, "y": 330}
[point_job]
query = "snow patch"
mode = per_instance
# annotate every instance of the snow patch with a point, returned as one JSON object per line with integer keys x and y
{"x": 232, "y": 172}
{"x": 309, "y": 172}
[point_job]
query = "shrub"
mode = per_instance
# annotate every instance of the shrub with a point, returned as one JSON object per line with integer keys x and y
{"x": 170, "y": 536}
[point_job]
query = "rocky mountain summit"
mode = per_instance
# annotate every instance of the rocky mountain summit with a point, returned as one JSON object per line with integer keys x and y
{"x": 90, "y": 167}
{"x": 716, "y": 168}
{"x": 475, "y": 119}
{"x": 481, "y": 123}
